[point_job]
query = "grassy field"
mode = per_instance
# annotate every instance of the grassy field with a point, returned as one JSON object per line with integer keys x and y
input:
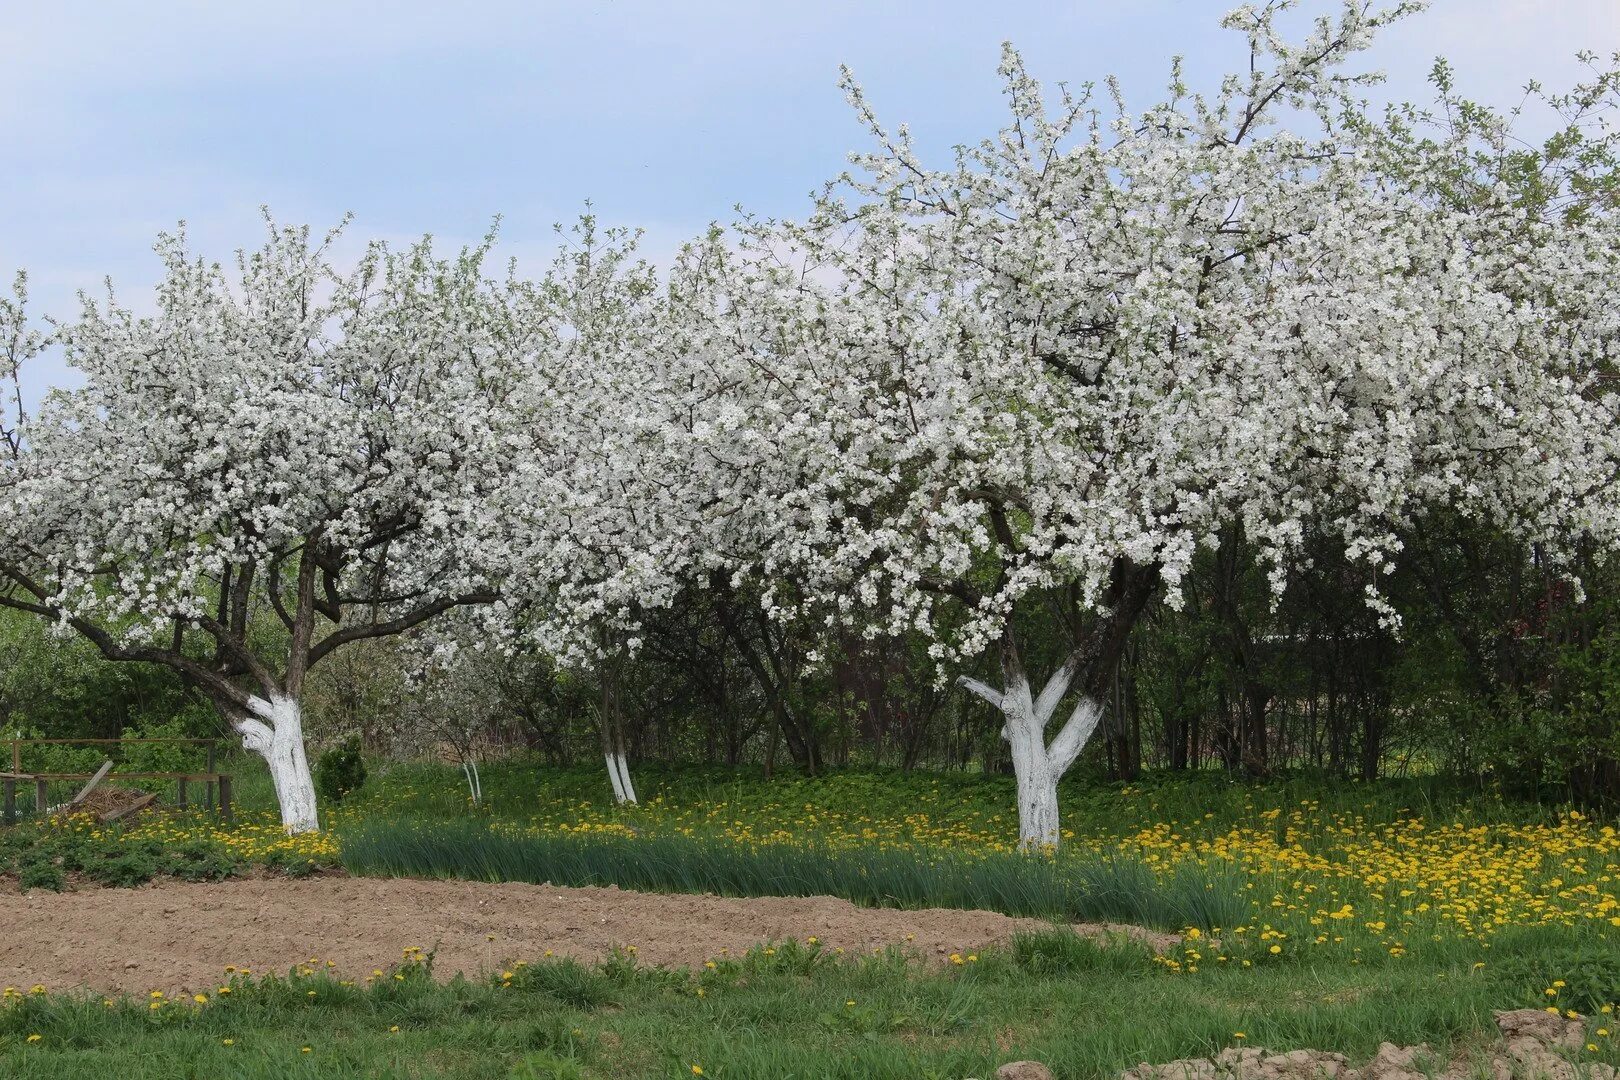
{"x": 1325, "y": 915}
{"x": 785, "y": 1012}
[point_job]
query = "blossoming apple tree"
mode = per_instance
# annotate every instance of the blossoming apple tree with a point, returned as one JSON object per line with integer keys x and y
{"x": 1047, "y": 373}
{"x": 271, "y": 465}
{"x": 601, "y": 516}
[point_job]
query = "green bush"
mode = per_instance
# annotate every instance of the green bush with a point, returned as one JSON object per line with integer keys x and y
{"x": 41, "y": 874}
{"x": 197, "y": 862}
{"x": 124, "y": 866}
{"x": 340, "y": 771}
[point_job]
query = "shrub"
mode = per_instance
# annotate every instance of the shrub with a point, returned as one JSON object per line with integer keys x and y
{"x": 123, "y": 867}
{"x": 198, "y": 862}
{"x": 340, "y": 771}
{"x": 41, "y": 874}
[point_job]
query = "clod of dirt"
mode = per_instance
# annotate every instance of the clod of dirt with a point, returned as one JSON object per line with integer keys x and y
{"x": 1024, "y": 1070}
{"x": 1535, "y": 1044}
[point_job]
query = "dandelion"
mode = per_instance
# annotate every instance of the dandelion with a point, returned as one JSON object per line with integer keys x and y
{"x": 228, "y": 1042}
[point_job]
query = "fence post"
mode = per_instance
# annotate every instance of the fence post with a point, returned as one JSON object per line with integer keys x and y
{"x": 182, "y": 802}
{"x": 208, "y": 790}
{"x": 16, "y": 756}
{"x": 10, "y": 786}
{"x": 41, "y": 795}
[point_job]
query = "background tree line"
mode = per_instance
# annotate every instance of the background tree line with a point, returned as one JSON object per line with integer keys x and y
{"x": 1501, "y": 671}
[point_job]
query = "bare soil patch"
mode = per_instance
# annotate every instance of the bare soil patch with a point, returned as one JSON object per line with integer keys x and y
{"x": 174, "y": 936}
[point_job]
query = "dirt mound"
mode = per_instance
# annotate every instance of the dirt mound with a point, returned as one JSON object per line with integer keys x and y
{"x": 176, "y": 936}
{"x": 109, "y": 799}
{"x": 1535, "y": 1044}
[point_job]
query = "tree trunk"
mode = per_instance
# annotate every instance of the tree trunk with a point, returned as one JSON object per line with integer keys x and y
{"x": 277, "y": 735}
{"x": 612, "y": 723}
{"x": 1037, "y": 764}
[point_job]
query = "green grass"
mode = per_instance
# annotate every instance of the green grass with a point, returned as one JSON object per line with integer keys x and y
{"x": 521, "y": 789}
{"x": 1069, "y": 889}
{"x": 1088, "y": 1010}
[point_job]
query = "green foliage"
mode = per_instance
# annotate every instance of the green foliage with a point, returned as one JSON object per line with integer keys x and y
{"x": 168, "y": 756}
{"x": 41, "y": 874}
{"x": 122, "y": 868}
{"x": 40, "y": 854}
{"x": 1588, "y": 975}
{"x": 567, "y": 982}
{"x": 341, "y": 770}
{"x": 1062, "y": 953}
{"x": 61, "y": 687}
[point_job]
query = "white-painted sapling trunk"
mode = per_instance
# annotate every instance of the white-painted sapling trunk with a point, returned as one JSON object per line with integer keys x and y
{"x": 276, "y": 733}
{"x": 618, "y": 767}
{"x": 1038, "y": 765}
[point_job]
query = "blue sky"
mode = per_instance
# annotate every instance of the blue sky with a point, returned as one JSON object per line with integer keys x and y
{"x": 120, "y": 119}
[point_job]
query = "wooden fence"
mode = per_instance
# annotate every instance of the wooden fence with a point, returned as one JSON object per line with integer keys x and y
{"x": 216, "y": 785}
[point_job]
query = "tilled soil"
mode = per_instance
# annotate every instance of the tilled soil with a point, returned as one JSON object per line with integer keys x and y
{"x": 180, "y": 937}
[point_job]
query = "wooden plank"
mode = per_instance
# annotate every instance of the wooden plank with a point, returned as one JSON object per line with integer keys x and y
{"x": 123, "y": 811}
{"x": 84, "y": 792}
{"x": 101, "y": 742}
{"x": 116, "y": 776}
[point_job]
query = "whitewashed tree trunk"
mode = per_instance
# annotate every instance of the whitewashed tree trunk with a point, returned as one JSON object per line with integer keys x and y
{"x": 1038, "y": 765}
{"x": 618, "y": 767}
{"x": 276, "y": 733}
{"x": 611, "y": 720}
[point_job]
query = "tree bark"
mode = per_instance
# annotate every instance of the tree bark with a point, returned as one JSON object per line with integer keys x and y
{"x": 612, "y": 724}
{"x": 276, "y": 733}
{"x": 1037, "y": 764}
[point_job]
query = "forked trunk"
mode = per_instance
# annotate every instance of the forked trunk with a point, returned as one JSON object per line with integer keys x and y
{"x": 612, "y": 723}
{"x": 277, "y": 735}
{"x": 618, "y": 767}
{"x": 1037, "y": 764}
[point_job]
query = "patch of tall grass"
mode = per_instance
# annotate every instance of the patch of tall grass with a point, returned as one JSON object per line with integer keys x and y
{"x": 1061, "y": 887}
